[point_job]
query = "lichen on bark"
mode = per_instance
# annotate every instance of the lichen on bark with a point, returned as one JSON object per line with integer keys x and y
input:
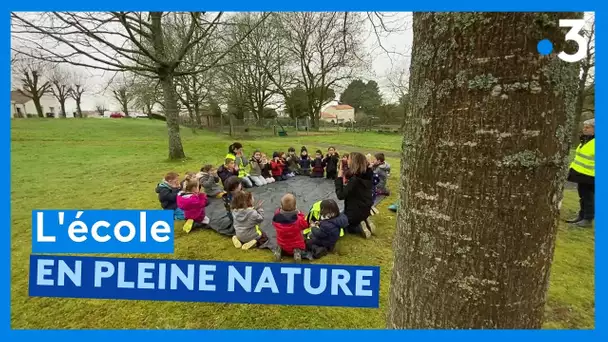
{"x": 484, "y": 158}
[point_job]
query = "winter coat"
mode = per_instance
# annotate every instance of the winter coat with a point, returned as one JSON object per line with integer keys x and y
{"x": 305, "y": 162}
{"x": 285, "y": 168}
{"x": 344, "y": 165}
{"x": 241, "y": 163}
{"x": 276, "y": 167}
{"x": 256, "y": 167}
{"x": 224, "y": 173}
{"x": 331, "y": 163}
{"x": 383, "y": 171}
{"x": 266, "y": 171}
{"x": 357, "y": 196}
{"x": 293, "y": 163}
{"x": 328, "y": 232}
{"x": 167, "y": 195}
{"x": 245, "y": 222}
{"x": 210, "y": 183}
{"x": 193, "y": 205}
{"x": 289, "y": 226}
{"x": 318, "y": 165}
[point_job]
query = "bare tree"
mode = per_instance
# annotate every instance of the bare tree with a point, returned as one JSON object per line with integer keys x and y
{"x": 259, "y": 64}
{"x": 78, "y": 89}
{"x": 61, "y": 87}
{"x": 326, "y": 47}
{"x": 100, "y": 109}
{"x": 30, "y": 76}
{"x": 121, "y": 42}
{"x": 485, "y": 154}
{"x": 123, "y": 92}
{"x": 398, "y": 80}
{"x": 146, "y": 95}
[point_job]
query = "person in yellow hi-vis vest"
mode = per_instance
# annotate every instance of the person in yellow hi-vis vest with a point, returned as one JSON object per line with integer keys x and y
{"x": 313, "y": 217}
{"x": 235, "y": 152}
{"x": 582, "y": 172}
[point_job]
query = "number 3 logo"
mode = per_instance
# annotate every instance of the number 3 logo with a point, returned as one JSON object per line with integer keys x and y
{"x": 574, "y": 35}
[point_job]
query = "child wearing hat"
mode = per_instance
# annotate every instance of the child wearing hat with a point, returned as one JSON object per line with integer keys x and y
{"x": 305, "y": 162}
{"x": 293, "y": 161}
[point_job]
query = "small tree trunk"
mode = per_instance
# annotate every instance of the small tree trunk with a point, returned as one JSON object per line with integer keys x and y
{"x": 62, "y": 108}
{"x": 78, "y": 108}
{"x": 580, "y": 102}
{"x": 485, "y": 154}
{"x": 231, "y": 123}
{"x": 38, "y": 106}
{"x": 125, "y": 107}
{"x": 197, "y": 114}
{"x": 176, "y": 150}
{"x": 148, "y": 110}
{"x": 192, "y": 119}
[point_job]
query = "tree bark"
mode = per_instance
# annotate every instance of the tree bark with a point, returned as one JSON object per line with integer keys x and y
{"x": 38, "y": 106}
{"x": 62, "y": 108}
{"x": 485, "y": 154}
{"x": 580, "y": 102}
{"x": 78, "y": 108}
{"x": 176, "y": 150}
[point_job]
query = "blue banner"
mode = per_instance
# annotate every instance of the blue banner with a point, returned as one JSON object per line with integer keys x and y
{"x": 204, "y": 281}
{"x": 102, "y": 231}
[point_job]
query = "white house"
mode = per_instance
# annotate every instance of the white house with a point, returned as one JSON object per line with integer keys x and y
{"x": 338, "y": 114}
{"x": 21, "y": 105}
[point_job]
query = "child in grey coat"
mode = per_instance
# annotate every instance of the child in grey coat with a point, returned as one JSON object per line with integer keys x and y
{"x": 247, "y": 217}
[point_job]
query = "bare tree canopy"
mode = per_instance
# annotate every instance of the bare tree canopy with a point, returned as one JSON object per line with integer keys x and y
{"x": 149, "y": 44}
{"x": 61, "y": 87}
{"x": 79, "y": 87}
{"x": 326, "y": 48}
{"x": 123, "y": 91}
{"x": 31, "y": 76}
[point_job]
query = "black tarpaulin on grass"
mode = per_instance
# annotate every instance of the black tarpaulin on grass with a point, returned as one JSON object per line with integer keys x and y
{"x": 306, "y": 190}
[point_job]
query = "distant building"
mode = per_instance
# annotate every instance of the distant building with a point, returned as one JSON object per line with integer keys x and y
{"x": 338, "y": 114}
{"x": 22, "y": 105}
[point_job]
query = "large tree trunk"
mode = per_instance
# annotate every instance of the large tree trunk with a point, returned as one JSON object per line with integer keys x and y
{"x": 176, "y": 150}
{"x": 38, "y": 106}
{"x": 485, "y": 154}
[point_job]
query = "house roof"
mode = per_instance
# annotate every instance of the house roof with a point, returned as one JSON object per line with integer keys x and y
{"x": 19, "y": 97}
{"x": 342, "y": 107}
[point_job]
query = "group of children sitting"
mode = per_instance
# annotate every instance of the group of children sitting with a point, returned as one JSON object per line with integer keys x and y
{"x": 358, "y": 179}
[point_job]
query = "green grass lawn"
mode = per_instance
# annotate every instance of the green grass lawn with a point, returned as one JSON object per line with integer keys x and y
{"x": 94, "y": 163}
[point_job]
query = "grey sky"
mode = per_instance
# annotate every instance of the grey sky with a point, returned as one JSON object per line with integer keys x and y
{"x": 388, "y": 52}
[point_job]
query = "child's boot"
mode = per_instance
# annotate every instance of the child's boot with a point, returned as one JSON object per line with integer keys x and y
{"x": 371, "y": 226}
{"x": 308, "y": 255}
{"x": 297, "y": 255}
{"x": 236, "y": 242}
{"x": 365, "y": 232}
{"x": 188, "y": 225}
{"x": 277, "y": 253}
{"x": 250, "y": 244}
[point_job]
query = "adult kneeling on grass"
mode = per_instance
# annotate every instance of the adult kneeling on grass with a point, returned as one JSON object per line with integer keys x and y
{"x": 235, "y": 152}
{"x": 582, "y": 172}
